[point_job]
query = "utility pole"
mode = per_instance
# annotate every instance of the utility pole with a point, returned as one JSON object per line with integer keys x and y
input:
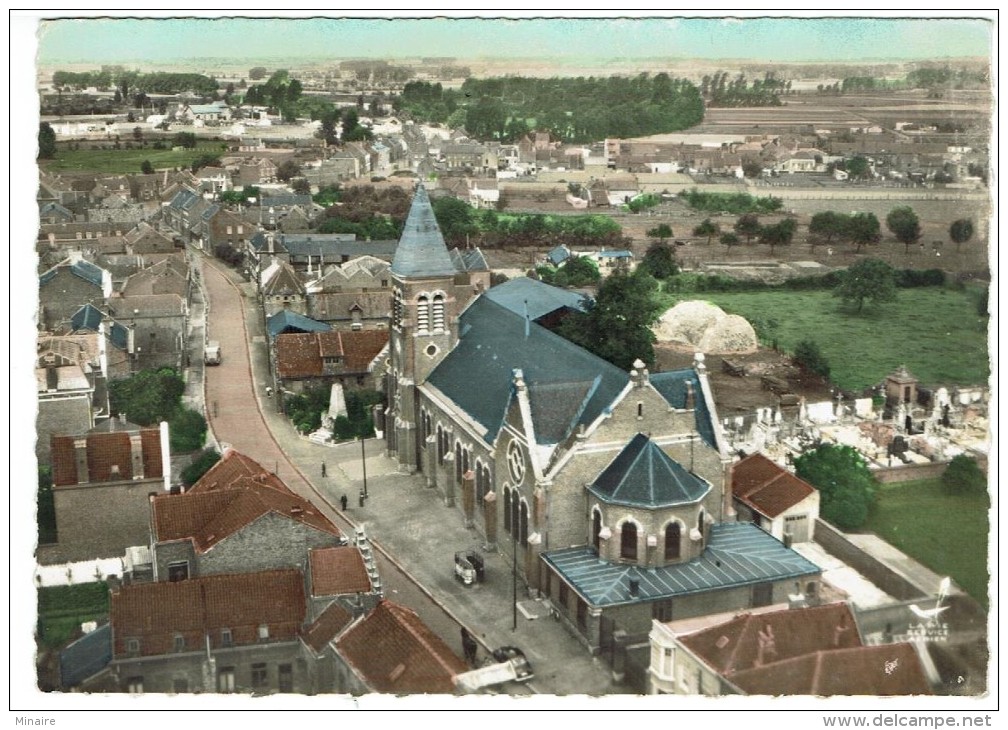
{"x": 363, "y": 465}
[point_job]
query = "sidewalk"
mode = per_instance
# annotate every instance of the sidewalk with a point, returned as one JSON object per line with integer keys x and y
{"x": 411, "y": 526}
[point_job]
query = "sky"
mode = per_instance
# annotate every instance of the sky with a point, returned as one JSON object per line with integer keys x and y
{"x": 111, "y": 40}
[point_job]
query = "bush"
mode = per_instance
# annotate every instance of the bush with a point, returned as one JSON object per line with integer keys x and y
{"x": 199, "y": 466}
{"x": 187, "y": 430}
{"x": 808, "y": 355}
{"x": 964, "y": 476}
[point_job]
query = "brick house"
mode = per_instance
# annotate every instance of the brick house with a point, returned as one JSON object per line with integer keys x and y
{"x": 281, "y": 288}
{"x": 773, "y": 498}
{"x": 800, "y": 651}
{"x": 160, "y": 324}
{"x": 67, "y": 287}
{"x": 237, "y": 517}
{"x": 105, "y": 476}
{"x": 144, "y": 239}
{"x": 353, "y": 359}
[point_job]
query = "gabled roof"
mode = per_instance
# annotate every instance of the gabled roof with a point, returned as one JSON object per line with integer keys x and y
{"x": 109, "y": 455}
{"x": 198, "y": 608}
{"x": 672, "y": 386}
{"x": 338, "y": 571}
{"x": 301, "y": 355}
{"x": 751, "y": 640}
{"x": 326, "y": 627}
{"x": 766, "y": 487}
{"x": 86, "y": 318}
{"x": 737, "y": 554}
{"x": 83, "y": 269}
{"x": 886, "y": 670}
{"x": 557, "y": 407}
{"x": 395, "y": 653}
{"x": 422, "y": 250}
{"x": 523, "y": 295}
{"x": 493, "y": 341}
{"x": 233, "y": 494}
{"x": 282, "y": 200}
{"x": 287, "y": 321}
{"x": 642, "y": 475}
{"x": 281, "y": 279}
{"x": 469, "y": 259}
{"x": 558, "y": 255}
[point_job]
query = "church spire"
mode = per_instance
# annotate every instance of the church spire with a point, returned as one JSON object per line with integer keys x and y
{"x": 422, "y": 251}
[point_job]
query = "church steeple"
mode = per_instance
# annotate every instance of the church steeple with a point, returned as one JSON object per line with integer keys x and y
{"x": 422, "y": 251}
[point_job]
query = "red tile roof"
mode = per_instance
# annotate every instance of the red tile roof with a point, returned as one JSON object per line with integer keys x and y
{"x": 155, "y": 613}
{"x": 735, "y": 645}
{"x": 878, "y": 671}
{"x": 338, "y": 571}
{"x": 300, "y": 355}
{"x": 395, "y": 653}
{"x": 325, "y": 628}
{"x": 106, "y": 450}
{"x": 766, "y": 487}
{"x": 232, "y": 495}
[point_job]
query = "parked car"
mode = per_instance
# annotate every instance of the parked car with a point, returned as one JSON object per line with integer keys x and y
{"x": 469, "y": 567}
{"x": 516, "y": 658}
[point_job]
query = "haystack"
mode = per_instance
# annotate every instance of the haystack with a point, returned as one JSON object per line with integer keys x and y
{"x": 706, "y": 328}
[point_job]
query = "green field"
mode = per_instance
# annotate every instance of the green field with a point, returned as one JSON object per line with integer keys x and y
{"x": 947, "y": 533}
{"x": 61, "y": 610}
{"x": 934, "y": 331}
{"x": 126, "y": 161}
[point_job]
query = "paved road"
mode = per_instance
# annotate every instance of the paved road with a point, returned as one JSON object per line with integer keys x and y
{"x": 414, "y": 533}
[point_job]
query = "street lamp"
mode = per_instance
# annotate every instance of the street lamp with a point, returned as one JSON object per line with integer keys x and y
{"x": 363, "y": 465}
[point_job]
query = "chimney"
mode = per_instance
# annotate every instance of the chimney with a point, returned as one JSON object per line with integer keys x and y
{"x": 766, "y": 646}
{"x": 634, "y": 587}
{"x": 165, "y": 456}
{"x": 690, "y": 397}
{"x": 839, "y": 631}
{"x": 527, "y": 320}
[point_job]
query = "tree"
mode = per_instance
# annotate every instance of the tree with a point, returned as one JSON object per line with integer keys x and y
{"x": 659, "y": 261}
{"x": 961, "y": 231}
{"x": 748, "y": 225}
{"x": 858, "y": 167}
{"x": 707, "y": 228}
{"x": 46, "y": 510}
{"x": 147, "y": 398}
{"x": 199, "y": 466}
{"x": 964, "y": 476}
{"x": 778, "y": 234}
{"x": 46, "y": 142}
{"x": 301, "y": 186}
{"x": 184, "y": 139}
{"x": 808, "y": 355}
{"x": 752, "y": 169}
{"x": 867, "y": 280}
{"x": 288, "y": 170}
{"x": 661, "y": 231}
{"x": 617, "y": 325}
{"x": 577, "y": 271}
{"x": 138, "y": 134}
{"x": 846, "y": 486}
{"x": 825, "y": 225}
{"x": 258, "y": 72}
{"x": 904, "y": 225}
{"x": 146, "y": 167}
{"x": 729, "y": 240}
{"x": 863, "y": 229}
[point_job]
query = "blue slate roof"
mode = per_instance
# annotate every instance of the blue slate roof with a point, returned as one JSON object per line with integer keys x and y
{"x": 615, "y": 254}
{"x": 737, "y": 554}
{"x": 542, "y": 299}
{"x": 86, "y": 318}
{"x": 642, "y": 475}
{"x": 558, "y": 255}
{"x": 493, "y": 341}
{"x": 672, "y": 386}
{"x": 288, "y": 321}
{"x": 84, "y": 269}
{"x": 468, "y": 259}
{"x": 334, "y": 246}
{"x": 119, "y": 335}
{"x": 184, "y": 199}
{"x": 86, "y": 657}
{"x": 422, "y": 250}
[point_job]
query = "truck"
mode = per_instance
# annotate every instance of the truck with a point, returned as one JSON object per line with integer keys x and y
{"x": 212, "y": 353}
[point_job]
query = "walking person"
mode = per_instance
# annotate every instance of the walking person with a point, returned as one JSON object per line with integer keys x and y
{"x": 343, "y": 502}
{"x": 323, "y": 468}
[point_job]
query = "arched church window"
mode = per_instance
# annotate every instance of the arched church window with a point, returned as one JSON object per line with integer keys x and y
{"x": 523, "y": 523}
{"x": 596, "y": 527}
{"x": 672, "y": 535}
{"x": 423, "y": 313}
{"x": 438, "y": 313}
{"x": 507, "y": 510}
{"x": 628, "y": 541}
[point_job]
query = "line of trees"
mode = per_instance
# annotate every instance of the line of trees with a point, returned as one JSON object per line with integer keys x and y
{"x": 127, "y": 82}
{"x": 572, "y": 109}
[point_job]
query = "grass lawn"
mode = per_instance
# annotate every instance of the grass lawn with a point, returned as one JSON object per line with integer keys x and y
{"x": 934, "y": 331}
{"x": 61, "y": 610}
{"x": 126, "y": 161}
{"x": 947, "y": 533}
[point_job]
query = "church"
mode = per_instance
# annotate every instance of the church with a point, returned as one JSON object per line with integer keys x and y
{"x": 607, "y": 487}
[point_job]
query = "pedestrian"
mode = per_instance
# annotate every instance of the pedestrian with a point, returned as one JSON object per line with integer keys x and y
{"x": 469, "y": 646}
{"x": 360, "y": 498}
{"x": 323, "y": 468}
{"x": 343, "y": 502}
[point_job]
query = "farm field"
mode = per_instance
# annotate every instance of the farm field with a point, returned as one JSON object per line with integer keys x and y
{"x": 123, "y": 161}
{"x": 946, "y": 533}
{"x": 934, "y": 331}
